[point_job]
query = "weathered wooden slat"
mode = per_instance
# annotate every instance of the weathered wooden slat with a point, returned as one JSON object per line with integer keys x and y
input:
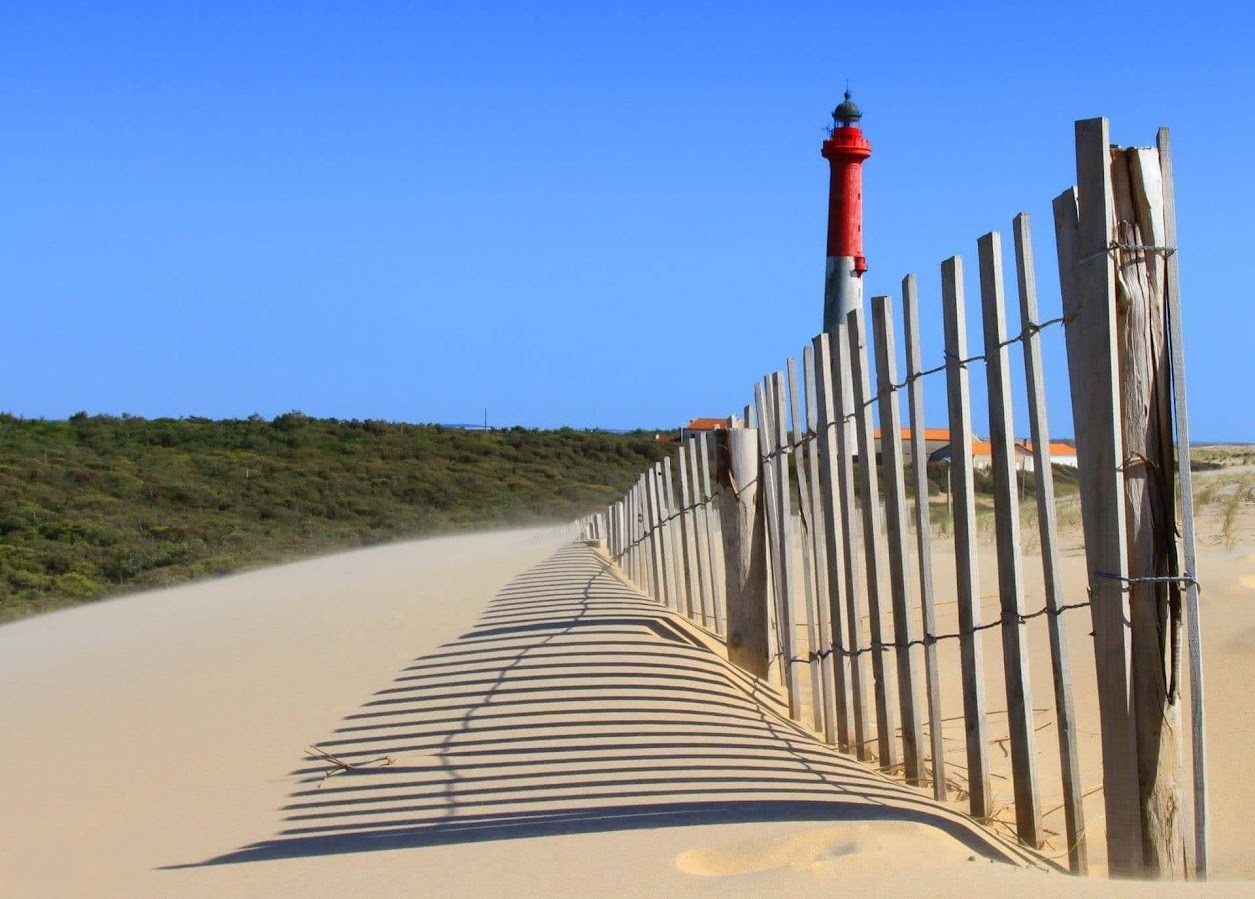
{"x": 873, "y": 552}
{"x": 664, "y": 539}
{"x": 781, "y": 637}
{"x": 713, "y": 546}
{"x": 1085, "y": 232}
{"x": 744, "y": 533}
{"x": 693, "y": 509}
{"x": 818, "y": 533}
{"x": 644, "y": 580}
{"x": 681, "y": 598}
{"x": 826, "y": 427}
{"x": 980, "y": 800}
{"x": 923, "y": 529}
{"x": 1146, "y": 404}
{"x": 906, "y": 652}
{"x": 851, "y": 524}
{"x": 784, "y": 499}
{"x": 767, "y": 490}
{"x": 794, "y": 437}
{"x": 1048, "y": 531}
{"x": 683, "y": 517}
{"x": 657, "y": 513}
{"x": 629, "y": 532}
{"x": 1015, "y": 667}
{"x": 1193, "y": 622}
{"x": 641, "y": 519}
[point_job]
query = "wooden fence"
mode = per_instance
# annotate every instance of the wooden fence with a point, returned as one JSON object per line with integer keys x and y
{"x": 825, "y": 571}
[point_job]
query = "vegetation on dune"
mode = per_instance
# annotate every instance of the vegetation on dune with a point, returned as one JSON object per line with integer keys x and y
{"x": 99, "y": 505}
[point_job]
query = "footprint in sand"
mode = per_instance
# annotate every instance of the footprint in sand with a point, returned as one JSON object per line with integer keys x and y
{"x": 836, "y": 849}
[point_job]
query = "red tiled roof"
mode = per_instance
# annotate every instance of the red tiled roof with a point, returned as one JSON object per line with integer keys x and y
{"x": 706, "y": 424}
{"x": 929, "y": 433}
{"x": 1056, "y": 449}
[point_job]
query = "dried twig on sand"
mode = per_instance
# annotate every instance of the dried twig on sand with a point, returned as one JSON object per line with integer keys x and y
{"x": 340, "y": 766}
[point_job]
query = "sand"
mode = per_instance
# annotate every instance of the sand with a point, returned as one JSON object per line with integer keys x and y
{"x": 549, "y": 731}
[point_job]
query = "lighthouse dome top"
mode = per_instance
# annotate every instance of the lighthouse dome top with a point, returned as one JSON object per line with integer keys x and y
{"x": 847, "y": 111}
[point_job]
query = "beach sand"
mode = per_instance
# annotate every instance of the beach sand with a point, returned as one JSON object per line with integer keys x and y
{"x": 548, "y": 731}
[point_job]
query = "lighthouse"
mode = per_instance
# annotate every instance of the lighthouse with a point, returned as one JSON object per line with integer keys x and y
{"x": 845, "y": 149}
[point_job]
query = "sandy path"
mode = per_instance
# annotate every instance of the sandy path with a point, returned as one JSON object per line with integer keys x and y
{"x": 568, "y": 737}
{"x": 161, "y": 728}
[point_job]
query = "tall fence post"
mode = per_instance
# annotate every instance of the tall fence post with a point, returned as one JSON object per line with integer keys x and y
{"x": 1193, "y": 622}
{"x": 656, "y": 557}
{"x": 712, "y": 550}
{"x": 826, "y": 486}
{"x": 869, "y": 499}
{"x": 1048, "y": 530}
{"x": 819, "y": 549}
{"x": 744, "y": 529}
{"x": 673, "y": 575}
{"x": 688, "y": 522}
{"x": 905, "y": 650}
{"x": 1007, "y": 530}
{"x": 810, "y": 561}
{"x": 1146, "y": 429}
{"x": 843, "y": 417}
{"x": 772, "y": 437}
{"x": 971, "y": 656}
{"x": 923, "y": 529}
{"x": 1083, "y": 222}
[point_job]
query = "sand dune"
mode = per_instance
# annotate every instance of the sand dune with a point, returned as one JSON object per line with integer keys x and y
{"x": 547, "y": 730}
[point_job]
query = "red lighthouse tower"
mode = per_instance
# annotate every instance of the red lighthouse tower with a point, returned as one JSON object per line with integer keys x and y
{"x": 845, "y": 149}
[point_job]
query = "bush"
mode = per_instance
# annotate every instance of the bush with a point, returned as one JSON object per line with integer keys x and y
{"x": 99, "y": 505}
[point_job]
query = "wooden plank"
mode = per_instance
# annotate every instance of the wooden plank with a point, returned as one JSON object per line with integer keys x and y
{"x": 787, "y": 621}
{"x": 677, "y": 586}
{"x": 1088, "y": 288}
{"x": 1146, "y": 404}
{"x": 679, "y": 540}
{"x": 1015, "y": 667}
{"x": 629, "y": 534}
{"x": 649, "y": 582}
{"x": 923, "y": 529}
{"x": 825, "y": 427}
{"x": 688, "y": 528}
{"x": 1048, "y": 532}
{"x": 795, "y": 437}
{"x": 907, "y": 651}
{"x": 860, "y": 677}
{"x": 819, "y": 541}
{"x": 713, "y": 544}
{"x": 657, "y": 554}
{"x": 971, "y": 656}
{"x": 639, "y": 519}
{"x": 639, "y": 524}
{"x": 1193, "y": 622}
{"x": 770, "y": 485}
{"x": 690, "y": 501}
{"x": 744, "y": 533}
{"x": 642, "y": 549}
{"x": 869, "y": 499}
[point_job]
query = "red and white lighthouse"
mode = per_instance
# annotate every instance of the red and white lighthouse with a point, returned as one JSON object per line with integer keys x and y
{"x": 845, "y": 149}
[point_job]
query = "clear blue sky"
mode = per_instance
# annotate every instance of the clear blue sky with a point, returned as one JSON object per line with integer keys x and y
{"x": 586, "y": 214}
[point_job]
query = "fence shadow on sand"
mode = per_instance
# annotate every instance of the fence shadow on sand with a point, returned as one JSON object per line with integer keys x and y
{"x": 577, "y": 705}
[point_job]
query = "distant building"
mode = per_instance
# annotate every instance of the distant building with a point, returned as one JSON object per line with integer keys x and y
{"x": 934, "y": 439}
{"x": 703, "y": 425}
{"x": 982, "y": 454}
